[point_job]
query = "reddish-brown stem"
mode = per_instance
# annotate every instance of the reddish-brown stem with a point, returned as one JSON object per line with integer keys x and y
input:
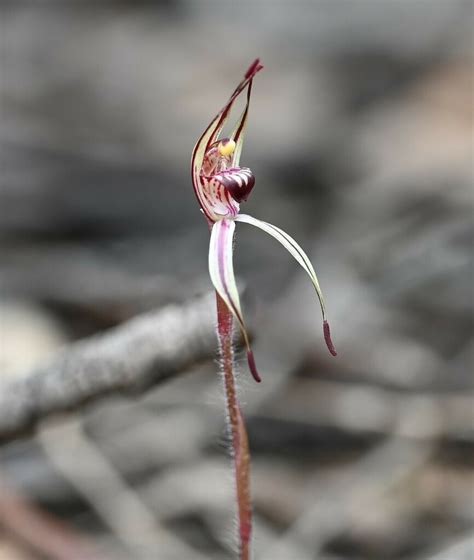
{"x": 237, "y": 429}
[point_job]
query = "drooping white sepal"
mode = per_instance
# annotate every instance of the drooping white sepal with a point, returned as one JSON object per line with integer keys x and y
{"x": 221, "y": 270}
{"x": 292, "y": 247}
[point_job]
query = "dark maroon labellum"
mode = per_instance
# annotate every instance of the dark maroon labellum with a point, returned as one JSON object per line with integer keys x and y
{"x": 238, "y": 181}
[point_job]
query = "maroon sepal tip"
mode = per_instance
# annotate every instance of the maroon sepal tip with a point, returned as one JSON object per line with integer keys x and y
{"x": 253, "y": 69}
{"x": 253, "y": 366}
{"x": 327, "y": 338}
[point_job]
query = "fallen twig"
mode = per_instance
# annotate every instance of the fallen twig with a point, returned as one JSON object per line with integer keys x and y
{"x": 41, "y": 531}
{"x": 140, "y": 353}
{"x": 116, "y": 503}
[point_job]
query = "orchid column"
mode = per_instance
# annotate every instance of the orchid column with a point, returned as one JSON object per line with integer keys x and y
{"x": 221, "y": 185}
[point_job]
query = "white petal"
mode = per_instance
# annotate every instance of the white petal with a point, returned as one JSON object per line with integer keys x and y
{"x": 302, "y": 258}
{"x": 221, "y": 270}
{"x": 291, "y": 246}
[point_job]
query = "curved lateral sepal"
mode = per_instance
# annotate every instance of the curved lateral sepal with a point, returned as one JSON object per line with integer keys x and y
{"x": 221, "y": 270}
{"x": 301, "y": 257}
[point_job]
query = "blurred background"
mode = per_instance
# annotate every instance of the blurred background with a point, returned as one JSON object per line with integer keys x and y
{"x": 361, "y": 140}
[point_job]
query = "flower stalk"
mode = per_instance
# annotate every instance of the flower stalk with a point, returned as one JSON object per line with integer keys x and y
{"x": 236, "y": 427}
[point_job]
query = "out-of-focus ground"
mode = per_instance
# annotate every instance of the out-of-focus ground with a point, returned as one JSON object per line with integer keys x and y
{"x": 361, "y": 139}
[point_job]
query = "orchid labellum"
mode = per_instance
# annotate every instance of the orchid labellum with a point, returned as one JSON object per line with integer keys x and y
{"x": 221, "y": 185}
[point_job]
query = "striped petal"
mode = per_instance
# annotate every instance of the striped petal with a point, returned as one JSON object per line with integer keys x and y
{"x": 239, "y": 131}
{"x": 292, "y": 247}
{"x": 221, "y": 270}
{"x": 211, "y": 133}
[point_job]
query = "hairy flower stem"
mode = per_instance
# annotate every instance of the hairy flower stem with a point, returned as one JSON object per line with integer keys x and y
{"x": 237, "y": 429}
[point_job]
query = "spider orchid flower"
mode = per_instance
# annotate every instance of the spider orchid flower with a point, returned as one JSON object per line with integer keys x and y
{"x": 221, "y": 185}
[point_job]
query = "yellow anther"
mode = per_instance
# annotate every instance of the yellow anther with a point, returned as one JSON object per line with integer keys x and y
{"x": 226, "y": 147}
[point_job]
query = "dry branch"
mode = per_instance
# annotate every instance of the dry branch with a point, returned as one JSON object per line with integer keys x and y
{"x": 142, "y": 352}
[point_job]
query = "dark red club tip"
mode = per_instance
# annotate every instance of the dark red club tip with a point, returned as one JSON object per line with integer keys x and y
{"x": 327, "y": 338}
{"x": 253, "y": 69}
{"x": 253, "y": 366}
